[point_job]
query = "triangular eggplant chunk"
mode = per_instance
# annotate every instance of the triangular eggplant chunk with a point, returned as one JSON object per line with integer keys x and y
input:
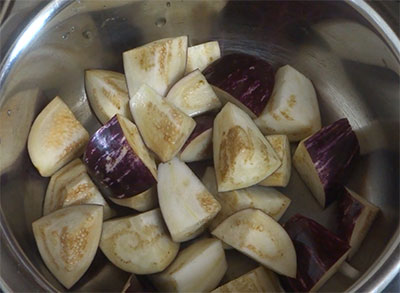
{"x": 138, "y": 244}
{"x": 187, "y": 206}
{"x": 293, "y": 107}
{"x": 107, "y": 93}
{"x": 141, "y": 202}
{"x": 260, "y": 237}
{"x": 159, "y": 64}
{"x": 193, "y": 95}
{"x": 242, "y": 155}
{"x": 68, "y": 239}
{"x": 56, "y": 137}
{"x": 163, "y": 127}
{"x": 202, "y": 55}
{"x": 197, "y": 268}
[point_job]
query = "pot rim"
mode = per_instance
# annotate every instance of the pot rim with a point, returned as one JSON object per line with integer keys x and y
{"x": 376, "y": 278}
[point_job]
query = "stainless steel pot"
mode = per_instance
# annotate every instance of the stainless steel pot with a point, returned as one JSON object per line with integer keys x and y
{"x": 346, "y": 48}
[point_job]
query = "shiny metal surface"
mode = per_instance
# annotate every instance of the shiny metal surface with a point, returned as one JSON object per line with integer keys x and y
{"x": 347, "y": 50}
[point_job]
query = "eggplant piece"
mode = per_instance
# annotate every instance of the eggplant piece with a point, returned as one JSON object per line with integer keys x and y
{"x": 200, "y": 56}
{"x": 193, "y": 95}
{"x": 281, "y": 146}
{"x": 197, "y": 268}
{"x": 163, "y": 127}
{"x": 138, "y": 244}
{"x": 107, "y": 93}
{"x": 56, "y": 138}
{"x": 187, "y": 206}
{"x": 268, "y": 200}
{"x": 242, "y": 155}
{"x": 71, "y": 185}
{"x": 198, "y": 146}
{"x": 355, "y": 217}
{"x": 257, "y": 280}
{"x": 320, "y": 253}
{"x": 293, "y": 107}
{"x": 52, "y": 200}
{"x": 159, "y": 64}
{"x": 323, "y": 160}
{"x": 247, "y": 78}
{"x": 67, "y": 240}
{"x": 142, "y": 202}
{"x": 117, "y": 159}
{"x": 138, "y": 284}
{"x": 261, "y": 238}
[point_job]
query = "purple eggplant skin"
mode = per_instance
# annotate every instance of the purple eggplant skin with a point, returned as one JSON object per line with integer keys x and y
{"x": 333, "y": 149}
{"x": 113, "y": 164}
{"x": 317, "y": 250}
{"x": 203, "y": 123}
{"x": 349, "y": 209}
{"x": 247, "y": 78}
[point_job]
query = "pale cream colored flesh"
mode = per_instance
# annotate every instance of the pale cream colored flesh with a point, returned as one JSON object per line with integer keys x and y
{"x": 141, "y": 202}
{"x": 200, "y": 56}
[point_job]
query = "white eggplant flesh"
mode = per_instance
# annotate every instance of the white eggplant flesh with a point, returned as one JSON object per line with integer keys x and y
{"x": 198, "y": 149}
{"x": 260, "y": 237}
{"x": 269, "y": 200}
{"x": 293, "y": 106}
{"x": 242, "y": 155}
{"x": 53, "y": 199}
{"x": 187, "y": 206}
{"x": 138, "y": 244}
{"x": 257, "y": 280}
{"x": 163, "y": 127}
{"x": 68, "y": 239}
{"x": 193, "y": 95}
{"x": 356, "y": 215}
{"x": 280, "y": 178}
{"x": 107, "y": 93}
{"x": 56, "y": 138}
{"x": 197, "y": 268}
{"x": 141, "y": 202}
{"x": 160, "y": 64}
{"x": 82, "y": 190}
{"x": 202, "y": 55}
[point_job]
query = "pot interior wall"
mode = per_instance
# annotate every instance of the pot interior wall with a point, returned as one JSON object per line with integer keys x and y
{"x": 354, "y": 72}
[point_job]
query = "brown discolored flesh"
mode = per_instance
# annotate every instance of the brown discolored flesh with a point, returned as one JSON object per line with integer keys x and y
{"x": 318, "y": 251}
{"x": 117, "y": 159}
{"x": 247, "y": 78}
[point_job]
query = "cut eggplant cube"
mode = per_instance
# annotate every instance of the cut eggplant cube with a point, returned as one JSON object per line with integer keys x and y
{"x": 141, "y": 202}
{"x": 197, "y": 268}
{"x": 242, "y": 155}
{"x": 53, "y": 200}
{"x": 323, "y": 160}
{"x": 355, "y": 217}
{"x": 193, "y": 95}
{"x": 319, "y": 254}
{"x": 138, "y": 244}
{"x": 117, "y": 159}
{"x": 281, "y": 146}
{"x": 56, "y": 138}
{"x": 293, "y": 107}
{"x": 187, "y": 206}
{"x": 159, "y": 64}
{"x": 68, "y": 239}
{"x": 198, "y": 146}
{"x": 257, "y": 280}
{"x": 261, "y": 238}
{"x": 268, "y": 200}
{"x": 200, "y": 56}
{"x": 248, "y": 79}
{"x": 238, "y": 265}
{"x": 107, "y": 93}
{"x": 163, "y": 127}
